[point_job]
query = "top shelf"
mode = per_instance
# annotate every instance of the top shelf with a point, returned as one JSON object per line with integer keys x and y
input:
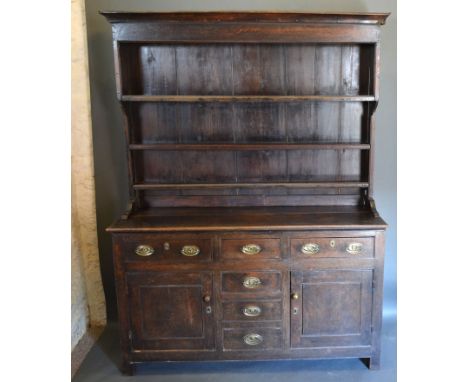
{"x": 249, "y": 98}
{"x": 243, "y": 17}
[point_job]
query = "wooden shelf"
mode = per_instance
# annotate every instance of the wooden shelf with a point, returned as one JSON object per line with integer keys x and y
{"x": 248, "y": 219}
{"x": 245, "y": 98}
{"x": 250, "y": 146}
{"x": 337, "y": 184}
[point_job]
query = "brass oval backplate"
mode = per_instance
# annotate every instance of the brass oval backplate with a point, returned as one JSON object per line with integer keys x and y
{"x": 354, "y": 248}
{"x": 251, "y": 311}
{"x": 144, "y": 250}
{"x": 252, "y": 282}
{"x": 190, "y": 250}
{"x": 310, "y": 249}
{"x": 251, "y": 249}
{"x": 253, "y": 339}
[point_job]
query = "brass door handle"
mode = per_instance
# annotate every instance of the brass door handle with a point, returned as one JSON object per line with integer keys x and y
{"x": 310, "y": 249}
{"x": 251, "y": 249}
{"x": 144, "y": 250}
{"x": 207, "y": 298}
{"x": 295, "y": 296}
{"x": 190, "y": 250}
{"x": 354, "y": 248}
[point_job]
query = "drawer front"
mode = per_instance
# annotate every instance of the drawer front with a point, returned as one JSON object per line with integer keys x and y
{"x": 252, "y": 338}
{"x": 176, "y": 249}
{"x": 251, "y": 282}
{"x": 350, "y": 247}
{"x": 250, "y": 248}
{"x": 252, "y": 310}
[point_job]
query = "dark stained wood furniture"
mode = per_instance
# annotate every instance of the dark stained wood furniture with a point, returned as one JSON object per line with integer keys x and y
{"x": 251, "y": 231}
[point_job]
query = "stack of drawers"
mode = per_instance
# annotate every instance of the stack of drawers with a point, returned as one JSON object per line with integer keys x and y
{"x": 252, "y": 299}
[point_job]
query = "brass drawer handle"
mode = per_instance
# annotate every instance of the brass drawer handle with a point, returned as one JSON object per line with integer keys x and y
{"x": 251, "y": 249}
{"x": 295, "y": 296}
{"x": 252, "y": 282}
{"x": 190, "y": 250}
{"x": 354, "y": 248}
{"x": 252, "y": 311}
{"x": 253, "y": 339}
{"x": 144, "y": 250}
{"x": 310, "y": 249}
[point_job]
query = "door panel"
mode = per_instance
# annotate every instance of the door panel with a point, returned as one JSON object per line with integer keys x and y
{"x": 333, "y": 308}
{"x": 168, "y": 311}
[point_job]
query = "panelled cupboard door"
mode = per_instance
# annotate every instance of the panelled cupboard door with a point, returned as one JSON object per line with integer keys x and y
{"x": 331, "y": 308}
{"x": 171, "y": 311}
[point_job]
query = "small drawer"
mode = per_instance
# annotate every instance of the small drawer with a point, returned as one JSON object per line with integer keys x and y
{"x": 251, "y": 282}
{"x": 250, "y": 248}
{"x": 180, "y": 249}
{"x": 312, "y": 247}
{"x": 252, "y": 310}
{"x": 253, "y": 338}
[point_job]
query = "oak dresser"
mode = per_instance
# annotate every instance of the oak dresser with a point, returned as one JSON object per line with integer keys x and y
{"x": 251, "y": 231}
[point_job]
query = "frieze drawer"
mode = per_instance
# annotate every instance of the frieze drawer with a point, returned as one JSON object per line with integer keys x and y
{"x": 167, "y": 249}
{"x": 350, "y": 247}
{"x": 250, "y": 248}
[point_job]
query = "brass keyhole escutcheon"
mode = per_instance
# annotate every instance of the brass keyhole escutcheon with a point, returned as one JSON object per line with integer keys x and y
{"x": 332, "y": 243}
{"x": 166, "y": 246}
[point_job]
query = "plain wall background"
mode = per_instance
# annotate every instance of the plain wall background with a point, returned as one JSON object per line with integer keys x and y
{"x": 108, "y": 136}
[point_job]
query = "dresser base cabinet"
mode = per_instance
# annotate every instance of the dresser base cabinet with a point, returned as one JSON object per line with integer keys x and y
{"x": 244, "y": 305}
{"x": 251, "y": 231}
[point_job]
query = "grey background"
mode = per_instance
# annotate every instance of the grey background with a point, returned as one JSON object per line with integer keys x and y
{"x": 108, "y": 137}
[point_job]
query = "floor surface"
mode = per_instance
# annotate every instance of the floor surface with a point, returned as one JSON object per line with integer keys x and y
{"x": 101, "y": 364}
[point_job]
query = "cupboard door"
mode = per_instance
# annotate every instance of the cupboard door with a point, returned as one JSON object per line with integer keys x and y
{"x": 171, "y": 311}
{"x": 331, "y": 308}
